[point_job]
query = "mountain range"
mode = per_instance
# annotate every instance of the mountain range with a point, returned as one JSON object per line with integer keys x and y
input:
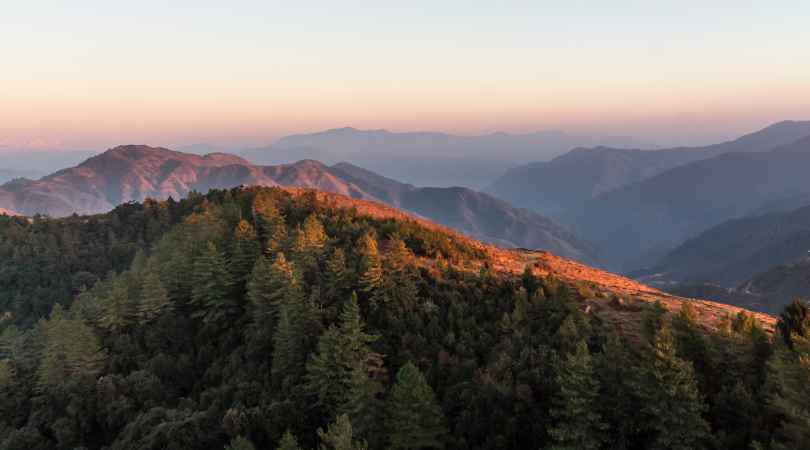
{"x": 639, "y": 223}
{"x": 734, "y": 251}
{"x": 585, "y": 173}
{"x": 136, "y": 172}
{"x": 428, "y": 158}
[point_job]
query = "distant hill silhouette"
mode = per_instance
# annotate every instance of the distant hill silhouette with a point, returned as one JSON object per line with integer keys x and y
{"x": 136, "y": 172}
{"x": 584, "y": 173}
{"x": 427, "y": 158}
{"x": 647, "y": 219}
{"x": 734, "y": 251}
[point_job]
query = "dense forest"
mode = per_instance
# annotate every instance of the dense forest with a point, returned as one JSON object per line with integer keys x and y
{"x": 262, "y": 318}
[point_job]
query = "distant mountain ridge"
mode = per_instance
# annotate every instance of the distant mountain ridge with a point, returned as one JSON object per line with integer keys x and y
{"x": 136, "y": 172}
{"x": 584, "y": 173}
{"x": 737, "y": 250}
{"x": 655, "y": 215}
{"x": 428, "y": 158}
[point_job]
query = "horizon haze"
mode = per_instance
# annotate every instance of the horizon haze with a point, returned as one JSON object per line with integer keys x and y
{"x": 93, "y": 74}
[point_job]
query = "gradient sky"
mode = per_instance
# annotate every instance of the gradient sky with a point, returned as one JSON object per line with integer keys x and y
{"x": 92, "y": 74}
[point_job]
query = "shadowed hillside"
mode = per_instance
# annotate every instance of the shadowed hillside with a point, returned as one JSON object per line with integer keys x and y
{"x": 637, "y": 224}
{"x": 584, "y": 173}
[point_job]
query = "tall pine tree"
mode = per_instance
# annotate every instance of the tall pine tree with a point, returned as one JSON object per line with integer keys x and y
{"x": 344, "y": 363}
{"x": 414, "y": 419}
{"x": 577, "y": 422}
{"x": 671, "y": 399}
{"x": 212, "y": 293}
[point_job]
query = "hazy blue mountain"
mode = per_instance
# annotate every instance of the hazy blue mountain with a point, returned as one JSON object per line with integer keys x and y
{"x": 653, "y": 216}
{"x": 584, "y": 173}
{"x": 37, "y": 163}
{"x": 10, "y": 174}
{"x": 424, "y": 158}
{"x": 736, "y": 250}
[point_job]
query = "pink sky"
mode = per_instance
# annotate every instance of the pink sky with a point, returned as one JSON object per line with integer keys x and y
{"x": 94, "y": 74}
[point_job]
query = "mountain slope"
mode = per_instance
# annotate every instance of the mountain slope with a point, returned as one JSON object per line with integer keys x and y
{"x": 134, "y": 173}
{"x": 735, "y": 251}
{"x": 585, "y": 173}
{"x": 778, "y": 286}
{"x": 208, "y": 330}
{"x": 657, "y": 214}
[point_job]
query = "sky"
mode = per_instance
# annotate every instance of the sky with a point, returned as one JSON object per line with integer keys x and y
{"x": 94, "y": 74}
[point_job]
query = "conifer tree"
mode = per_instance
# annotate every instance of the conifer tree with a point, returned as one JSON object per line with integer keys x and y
{"x": 370, "y": 269}
{"x": 414, "y": 419}
{"x": 138, "y": 262}
{"x": 288, "y": 442}
{"x": 671, "y": 398}
{"x": 240, "y": 443}
{"x": 288, "y": 340}
{"x": 69, "y": 348}
{"x": 120, "y": 311}
{"x": 341, "y": 351}
{"x": 337, "y": 276}
{"x": 6, "y": 372}
{"x": 269, "y": 284}
{"x": 794, "y": 321}
{"x": 339, "y": 436}
{"x": 577, "y": 423}
{"x": 398, "y": 285}
{"x": 619, "y": 401}
{"x": 245, "y": 251}
{"x": 154, "y": 298}
{"x": 788, "y": 388}
{"x": 211, "y": 293}
{"x": 278, "y": 240}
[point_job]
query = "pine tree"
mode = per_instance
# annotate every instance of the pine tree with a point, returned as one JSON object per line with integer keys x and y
{"x": 119, "y": 309}
{"x": 211, "y": 293}
{"x": 794, "y": 321}
{"x": 138, "y": 262}
{"x": 278, "y": 240}
{"x": 341, "y": 351}
{"x": 240, "y": 443}
{"x": 69, "y": 348}
{"x": 577, "y": 424}
{"x": 245, "y": 251}
{"x": 619, "y": 401}
{"x": 671, "y": 398}
{"x": 788, "y": 389}
{"x": 339, "y": 436}
{"x": 269, "y": 284}
{"x": 288, "y": 341}
{"x": 154, "y": 299}
{"x": 338, "y": 279}
{"x": 398, "y": 283}
{"x": 414, "y": 419}
{"x": 370, "y": 269}
{"x": 288, "y": 442}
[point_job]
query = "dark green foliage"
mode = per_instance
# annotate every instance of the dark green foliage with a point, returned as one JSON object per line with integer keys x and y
{"x": 577, "y": 422}
{"x": 211, "y": 292}
{"x": 288, "y": 442}
{"x": 344, "y": 367}
{"x": 240, "y": 443}
{"x": 671, "y": 398}
{"x": 339, "y": 436}
{"x": 795, "y": 321}
{"x": 228, "y": 319}
{"x": 414, "y": 419}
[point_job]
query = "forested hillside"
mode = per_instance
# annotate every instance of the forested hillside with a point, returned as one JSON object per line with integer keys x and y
{"x": 266, "y": 318}
{"x": 137, "y": 172}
